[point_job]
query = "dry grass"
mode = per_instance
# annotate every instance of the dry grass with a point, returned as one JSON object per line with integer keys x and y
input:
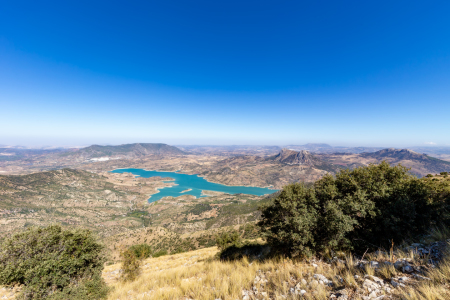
{"x": 426, "y": 291}
{"x": 200, "y": 275}
{"x": 440, "y": 234}
{"x": 197, "y": 275}
{"x": 438, "y": 288}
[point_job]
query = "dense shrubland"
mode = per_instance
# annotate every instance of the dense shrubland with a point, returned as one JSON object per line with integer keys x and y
{"x": 365, "y": 208}
{"x": 52, "y": 263}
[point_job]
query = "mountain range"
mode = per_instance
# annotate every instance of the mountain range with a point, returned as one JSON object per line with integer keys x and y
{"x": 133, "y": 150}
{"x": 420, "y": 164}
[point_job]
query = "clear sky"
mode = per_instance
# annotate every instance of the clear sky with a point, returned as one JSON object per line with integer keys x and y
{"x": 362, "y": 73}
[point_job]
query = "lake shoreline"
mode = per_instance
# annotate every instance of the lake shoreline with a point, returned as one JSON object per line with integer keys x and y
{"x": 191, "y": 184}
{"x": 270, "y": 187}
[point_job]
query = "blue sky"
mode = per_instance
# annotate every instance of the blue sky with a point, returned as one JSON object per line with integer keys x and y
{"x": 361, "y": 73}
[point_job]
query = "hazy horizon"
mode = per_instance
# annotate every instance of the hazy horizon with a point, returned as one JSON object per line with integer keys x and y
{"x": 81, "y": 145}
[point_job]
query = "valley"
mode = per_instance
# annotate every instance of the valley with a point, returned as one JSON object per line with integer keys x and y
{"x": 77, "y": 188}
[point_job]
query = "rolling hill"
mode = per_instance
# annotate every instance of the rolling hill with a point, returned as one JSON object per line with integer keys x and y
{"x": 130, "y": 150}
{"x": 420, "y": 164}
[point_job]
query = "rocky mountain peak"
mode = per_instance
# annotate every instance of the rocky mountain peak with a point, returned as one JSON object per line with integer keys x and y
{"x": 293, "y": 157}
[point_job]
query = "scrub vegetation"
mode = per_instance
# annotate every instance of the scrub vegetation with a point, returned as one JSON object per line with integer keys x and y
{"x": 366, "y": 208}
{"x": 52, "y": 263}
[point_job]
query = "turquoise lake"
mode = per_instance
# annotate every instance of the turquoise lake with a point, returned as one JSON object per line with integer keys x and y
{"x": 194, "y": 182}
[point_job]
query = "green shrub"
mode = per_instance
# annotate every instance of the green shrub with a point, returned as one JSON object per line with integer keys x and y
{"x": 228, "y": 239}
{"x": 385, "y": 203}
{"x": 367, "y": 207}
{"x": 141, "y": 251}
{"x": 440, "y": 196}
{"x": 251, "y": 231}
{"x": 87, "y": 289}
{"x": 160, "y": 253}
{"x": 51, "y": 261}
{"x": 290, "y": 221}
{"x": 131, "y": 265}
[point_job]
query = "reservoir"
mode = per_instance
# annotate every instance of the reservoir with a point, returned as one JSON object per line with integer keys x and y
{"x": 195, "y": 183}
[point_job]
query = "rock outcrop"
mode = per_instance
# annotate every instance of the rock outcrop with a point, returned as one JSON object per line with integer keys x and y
{"x": 292, "y": 157}
{"x": 304, "y": 158}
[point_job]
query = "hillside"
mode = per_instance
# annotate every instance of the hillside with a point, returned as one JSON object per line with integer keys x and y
{"x": 420, "y": 164}
{"x": 232, "y": 150}
{"x": 115, "y": 206}
{"x": 327, "y": 149}
{"x": 396, "y": 155}
{"x": 292, "y": 157}
{"x": 129, "y": 150}
{"x": 185, "y": 223}
{"x": 259, "y": 171}
{"x": 189, "y": 225}
{"x": 14, "y": 154}
{"x": 106, "y": 204}
{"x": 200, "y": 275}
{"x": 242, "y": 170}
{"x": 304, "y": 158}
{"x": 24, "y": 161}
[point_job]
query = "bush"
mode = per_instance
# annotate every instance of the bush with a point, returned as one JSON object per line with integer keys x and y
{"x": 141, "y": 251}
{"x": 51, "y": 261}
{"x": 440, "y": 196}
{"x": 289, "y": 222}
{"x": 160, "y": 253}
{"x": 131, "y": 265}
{"x": 368, "y": 207}
{"x": 385, "y": 203}
{"x": 87, "y": 289}
{"x": 226, "y": 239}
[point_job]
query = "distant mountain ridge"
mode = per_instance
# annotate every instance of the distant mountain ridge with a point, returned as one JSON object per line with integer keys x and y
{"x": 325, "y": 148}
{"x": 305, "y": 158}
{"x": 420, "y": 164}
{"x": 137, "y": 149}
{"x": 397, "y": 154}
{"x": 293, "y": 157}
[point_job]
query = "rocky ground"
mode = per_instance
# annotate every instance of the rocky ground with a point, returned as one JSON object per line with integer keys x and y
{"x": 395, "y": 275}
{"x": 410, "y": 273}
